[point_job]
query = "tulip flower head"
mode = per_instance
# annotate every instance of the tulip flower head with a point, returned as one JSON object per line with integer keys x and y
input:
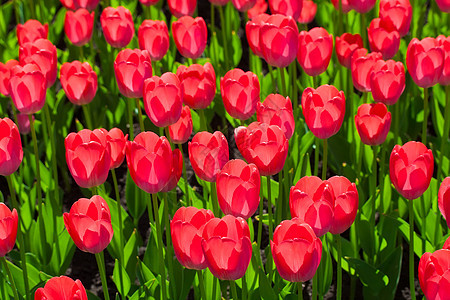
{"x": 444, "y": 200}
{"x": 76, "y": 4}
{"x": 434, "y": 274}
{"x": 11, "y": 153}
{"x": 198, "y": 85}
{"x": 79, "y": 82}
{"x": 62, "y": 287}
{"x": 362, "y": 67}
{"x": 277, "y": 110}
{"x": 373, "y": 122}
{"x": 308, "y": 12}
{"x": 252, "y": 29}
{"x": 345, "y": 204}
{"x": 387, "y": 81}
{"x": 89, "y": 224}
{"x": 153, "y": 36}
{"x": 78, "y": 26}
{"x": 362, "y": 6}
{"x": 180, "y": 8}
{"x": 314, "y": 50}
{"x": 259, "y": 8}
{"x": 175, "y": 173}
{"x": 31, "y": 31}
{"x": 445, "y": 45}
{"x": 399, "y": 12}
{"x": 117, "y": 25}
{"x": 148, "y": 2}
{"x": 190, "y": 36}
{"x": 383, "y": 37}
{"x": 5, "y": 75}
{"x": 9, "y": 221}
{"x": 290, "y": 8}
{"x": 23, "y": 122}
{"x": 444, "y": 5}
{"x": 346, "y": 44}
{"x": 182, "y": 129}
{"x": 117, "y": 142}
{"x": 411, "y": 168}
{"x": 243, "y": 5}
{"x": 343, "y": 5}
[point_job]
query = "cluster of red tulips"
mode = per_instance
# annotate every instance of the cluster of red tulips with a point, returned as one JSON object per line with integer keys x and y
{"x": 222, "y": 239}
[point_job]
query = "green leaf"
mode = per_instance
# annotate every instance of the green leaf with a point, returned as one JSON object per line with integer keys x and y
{"x": 121, "y": 278}
{"x": 370, "y": 277}
{"x": 265, "y": 289}
{"x": 237, "y": 48}
{"x": 136, "y": 198}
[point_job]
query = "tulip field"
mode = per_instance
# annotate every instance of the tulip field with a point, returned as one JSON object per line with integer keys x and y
{"x": 225, "y": 149}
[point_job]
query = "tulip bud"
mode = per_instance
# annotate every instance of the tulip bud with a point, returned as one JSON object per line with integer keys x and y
{"x": 362, "y": 6}
{"x": 182, "y": 129}
{"x": 277, "y": 110}
{"x": 162, "y": 99}
{"x": 10, "y": 147}
{"x": 180, "y": 8}
{"x": 79, "y": 82}
{"x": 5, "y": 75}
{"x": 118, "y": 26}
{"x": 190, "y": 36}
{"x": 444, "y": 5}
{"x": 314, "y": 50}
{"x": 308, "y": 12}
{"x": 243, "y": 5}
{"x": 312, "y": 201}
{"x": 198, "y": 85}
{"x": 240, "y": 93}
{"x": 383, "y": 37}
{"x": 175, "y": 173}
{"x": 227, "y": 251}
{"x": 399, "y": 12}
{"x": 362, "y": 66}
{"x": 259, "y": 8}
{"x": 153, "y": 36}
{"x": 117, "y": 142}
{"x": 238, "y": 187}
{"x": 264, "y": 145}
{"x": 291, "y": 8}
{"x": 89, "y": 224}
{"x": 324, "y": 110}
{"x": 186, "y": 229}
{"x": 31, "y": 31}
{"x": 411, "y": 168}
{"x": 132, "y": 68}
{"x": 149, "y": 159}
{"x": 78, "y": 26}
{"x": 61, "y": 287}
{"x": 445, "y": 45}
{"x": 434, "y": 275}
{"x": 387, "y": 81}
{"x": 8, "y": 229}
{"x": 373, "y": 122}
{"x": 208, "y": 153}
{"x": 444, "y": 200}
{"x": 346, "y": 45}
{"x": 345, "y": 204}
{"x": 296, "y": 250}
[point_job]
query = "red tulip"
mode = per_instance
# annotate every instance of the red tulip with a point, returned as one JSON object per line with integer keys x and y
{"x": 411, "y": 168}
{"x": 444, "y": 5}
{"x": 264, "y": 145}
{"x": 8, "y": 229}
{"x": 252, "y": 29}
{"x": 324, "y": 110}
{"x": 198, "y": 85}
{"x": 238, "y": 186}
{"x": 314, "y": 50}
{"x": 445, "y": 45}
{"x": 279, "y": 40}
{"x": 78, "y": 26}
{"x": 308, "y": 12}
{"x": 177, "y": 169}
{"x": 240, "y": 93}
{"x": 312, "y": 201}
{"x": 342, "y": 4}
{"x": 153, "y": 36}
{"x": 42, "y": 53}
{"x": 362, "y": 6}
{"x": 117, "y": 25}
{"x": 399, "y": 12}
{"x": 387, "y": 81}
{"x": 117, "y": 142}
{"x": 425, "y": 61}
{"x": 373, "y": 122}
{"x": 76, "y": 4}
{"x": 243, "y": 5}
{"x": 444, "y": 200}
{"x": 5, "y": 75}
{"x": 227, "y": 247}
{"x": 149, "y": 159}
{"x": 11, "y": 153}
{"x": 345, "y": 204}
{"x": 61, "y": 287}
{"x": 88, "y": 157}
{"x": 182, "y": 129}
{"x": 447, "y": 244}
{"x": 291, "y": 8}
{"x": 79, "y": 82}
{"x": 31, "y": 31}
{"x": 434, "y": 274}
{"x": 89, "y": 224}
{"x": 259, "y": 8}
{"x": 190, "y": 36}
{"x": 362, "y": 66}
{"x": 296, "y": 250}
{"x": 186, "y": 229}
{"x": 162, "y": 99}
{"x": 383, "y": 37}
{"x": 180, "y": 8}
{"x": 27, "y": 88}
{"x": 208, "y": 153}
{"x": 132, "y": 68}
{"x": 148, "y": 2}
{"x": 23, "y": 122}
{"x": 346, "y": 44}
{"x": 277, "y": 110}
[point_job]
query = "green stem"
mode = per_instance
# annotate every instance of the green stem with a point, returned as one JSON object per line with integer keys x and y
{"x": 162, "y": 267}
{"x": 186, "y": 186}
{"x": 446, "y": 132}
{"x": 130, "y": 119}
{"x": 101, "y": 267}
{"x": 233, "y": 289}
{"x": 150, "y": 209}
{"x": 396, "y": 122}
{"x": 269, "y": 208}
{"x": 87, "y": 116}
{"x": 224, "y": 37}
{"x": 425, "y": 116}
{"x": 201, "y": 284}
{"x": 141, "y": 120}
{"x": 214, "y": 200}
{"x": 325, "y": 159}
{"x": 316, "y": 157}
{"x": 119, "y": 214}
{"x": 315, "y": 285}
{"x": 272, "y": 77}
{"x": 203, "y": 126}
{"x": 244, "y": 286}
{"x": 314, "y": 80}
{"x": 11, "y": 278}
{"x": 339, "y": 267}
{"x": 364, "y": 30}
{"x": 283, "y": 81}
{"x": 381, "y": 179}
{"x": 294, "y": 95}
{"x": 279, "y": 206}
{"x": 169, "y": 250}
{"x": 300, "y": 290}
{"x": 374, "y": 184}
{"x": 411, "y": 250}
{"x": 260, "y": 220}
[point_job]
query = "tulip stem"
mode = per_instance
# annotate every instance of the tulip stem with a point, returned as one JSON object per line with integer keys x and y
{"x": 22, "y": 249}
{"x": 101, "y": 267}
{"x": 294, "y": 88}
{"x": 300, "y": 290}
{"x": 214, "y": 199}
{"x": 373, "y": 184}
{"x": 203, "y": 126}
{"x": 130, "y": 119}
{"x": 186, "y": 186}
{"x": 279, "y": 206}
{"x": 260, "y": 221}
{"x": 283, "y": 81}
{"x": 364, "y": 30}
{"x": 141, "y": 120}
{"x": 425, "y": 116}
{"x": 325, "y": 159}
{"x": 36, "y": 156}
{"x": 446, "y": 132}
{"x": 162, "y": 267}
{"x": 381, "y": 179}
{"x": 314, "y": 80}
{"x": 339, "y": 267}
{"x": 223, "y": 21}
{"x": 169, "y": 254}
{"x": 269, "y": 209}
{"x": 119, "y": 214}
{"x": 233, "y": 290}
{"x": 150, "y": 209}
{"x": 201, "y": 284}
{"x": 272, "y": 76}
{"x": 411, "y": 250}
{"x": 11, "y": 278}
{"x": 244, "y": 286}
{"x": 316, "y": 157}
{"x": 87, "y": 116}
